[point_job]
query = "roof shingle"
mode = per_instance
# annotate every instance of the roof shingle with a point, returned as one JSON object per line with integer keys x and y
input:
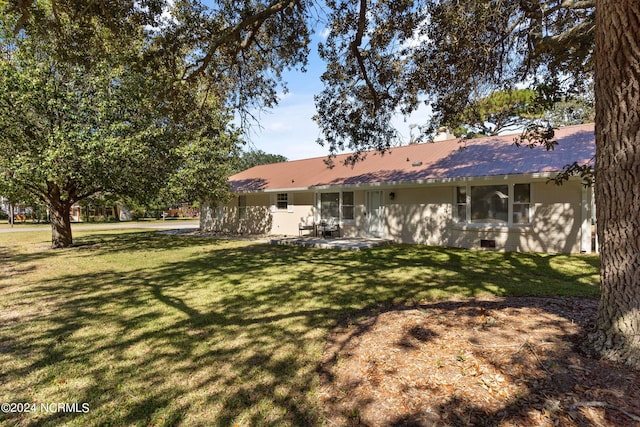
{"x": 444, "y": 160}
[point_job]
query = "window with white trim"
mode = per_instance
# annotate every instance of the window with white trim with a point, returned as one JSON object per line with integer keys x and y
{"x": 489, "y": 204}
{"x": 461, "y": 204}
{"x": 339, "y": 205}
{"x": 499, "y": 204}
{"x": 347, "y": 206}
{"x": 282, "y": 201}
{"x": 521, "y": 204}
{"x": 329, "y": 205}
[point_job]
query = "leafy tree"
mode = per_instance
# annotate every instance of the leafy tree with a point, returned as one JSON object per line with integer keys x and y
{"x": 129, "y": 97}
{"x": 12, "y": 191}
{"x": 573, "y": 110}
{"x": 70, "y": 130}
{"x": 237, "y": 49}
{"x": 522, "y": 108}
{"x": 256, "y": 157}
{"x": 499, "y": 111}
{"x": 205, "y": 164}
{"x": 14, "y": 194}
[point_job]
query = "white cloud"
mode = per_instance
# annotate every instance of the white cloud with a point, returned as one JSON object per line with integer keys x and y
{"x": 324, "y": 33}
{"x": 166, "y": 18}
{"x": 277, "y": 127}
{"x": 289, "y": 129}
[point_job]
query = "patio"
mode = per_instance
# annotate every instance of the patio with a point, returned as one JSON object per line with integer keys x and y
{"x": 343, "y": 243}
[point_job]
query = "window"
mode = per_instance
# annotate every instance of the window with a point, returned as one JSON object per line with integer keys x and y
{"x": 282, "y": 201}
{"x": 490, "y": 203}
{"x": 493, "y": 204}
{"x": 329, "y": 205}
{"x": 521, "y": 203}
{"x": 347, "y": 205}
{"x": 242, "y": 207}
{"x": 337, "y": 205}
{"x": 461, "y": 203}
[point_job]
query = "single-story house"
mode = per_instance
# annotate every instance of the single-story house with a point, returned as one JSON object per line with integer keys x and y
{"x": 481, "y": 193}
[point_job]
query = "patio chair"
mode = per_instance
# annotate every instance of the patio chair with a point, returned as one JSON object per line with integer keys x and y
{"x": 329, "y": 227}
{"x": 307, "y": 224}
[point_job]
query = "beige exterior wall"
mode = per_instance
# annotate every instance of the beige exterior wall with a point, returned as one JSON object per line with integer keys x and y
{"x": 556, "y": 224}
{"x": 229, "y": 218}
{"x": 560, "y": 221}
{"x": 420, "y": 215}
{"x": 285, "y": 221}
{"x": 261, "y": 215}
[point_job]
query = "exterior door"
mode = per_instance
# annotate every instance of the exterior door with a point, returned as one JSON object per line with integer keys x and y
{"x": 375, "y": 213}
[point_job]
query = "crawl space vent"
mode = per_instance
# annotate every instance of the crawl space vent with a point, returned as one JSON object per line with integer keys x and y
{"x": 488, "y": 243}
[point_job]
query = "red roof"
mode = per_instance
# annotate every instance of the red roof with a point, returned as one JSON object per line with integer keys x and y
{"x": 444, "y": 160}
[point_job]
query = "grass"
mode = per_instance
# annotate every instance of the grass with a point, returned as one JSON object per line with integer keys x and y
{"x": 152, "y": 329}
{"x": 4, "y": 224}
{"x": 19, "y": 224}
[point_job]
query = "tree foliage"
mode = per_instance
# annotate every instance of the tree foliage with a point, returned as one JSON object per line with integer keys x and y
{"x": 256, "y": 157}
{"x": 498, "y": 112}
{"x": 115, "y": 124}
{"x": 238, "y": 50}
{"x": 131, "y": 98}
{"x": 450, "y": 54}
{"x": 161, "y": 70}
{"x": 572, "y": 110}
{"x": 383, "y": 58}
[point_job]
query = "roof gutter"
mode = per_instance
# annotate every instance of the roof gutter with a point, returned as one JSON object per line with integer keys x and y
{"x": 396, "y": 184}
{"x": 439, "y": 181}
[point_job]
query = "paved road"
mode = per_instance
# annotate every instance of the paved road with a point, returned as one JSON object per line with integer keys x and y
{"x": 165, "y": 225}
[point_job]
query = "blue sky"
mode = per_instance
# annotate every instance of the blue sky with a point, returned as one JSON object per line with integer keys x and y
{"x": 289, "y": 129}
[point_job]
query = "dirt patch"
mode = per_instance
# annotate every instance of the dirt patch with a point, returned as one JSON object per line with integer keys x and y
{"x": 498, "y": 362}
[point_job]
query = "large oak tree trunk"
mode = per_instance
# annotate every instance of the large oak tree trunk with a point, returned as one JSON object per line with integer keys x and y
{"x": 617, "y": 86}
{"x": 61, "y": 226}
{"x": 60, "y": 213}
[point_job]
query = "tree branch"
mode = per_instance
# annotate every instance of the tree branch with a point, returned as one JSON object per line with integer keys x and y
{"x": 355, "y": 45}
{"x": 580, "y": 29}
{"x": 569, "y": 4}
{"x": 253, "y": 21}
{"x": 85, "y": 194}
{"x": 23, "y": 6}
{"x": 32, "y": 188}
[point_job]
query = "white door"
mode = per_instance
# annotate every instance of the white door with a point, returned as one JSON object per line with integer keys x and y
{"x": 375, "y": 213}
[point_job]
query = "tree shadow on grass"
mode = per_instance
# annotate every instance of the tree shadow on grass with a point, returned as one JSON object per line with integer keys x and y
{"x": 14, "y": 263}
{"x": 131, "y": 242}
{"x": 230, "y": 334}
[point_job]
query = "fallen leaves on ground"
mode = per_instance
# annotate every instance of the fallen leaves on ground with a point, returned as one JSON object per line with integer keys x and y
{"x": 501, "y": 362}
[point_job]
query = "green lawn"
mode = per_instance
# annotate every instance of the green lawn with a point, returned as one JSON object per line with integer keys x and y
{"x": 150, "y": 329}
